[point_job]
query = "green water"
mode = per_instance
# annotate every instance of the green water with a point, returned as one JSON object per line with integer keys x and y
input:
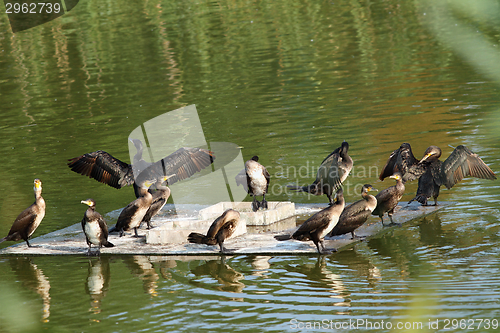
{"x": 285, "y": 80}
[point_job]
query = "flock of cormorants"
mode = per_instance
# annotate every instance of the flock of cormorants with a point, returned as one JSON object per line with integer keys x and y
{"x": 152, "y": 179}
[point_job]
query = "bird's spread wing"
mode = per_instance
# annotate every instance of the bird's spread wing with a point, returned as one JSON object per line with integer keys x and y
{"x": 401, "y": 160}
{"x": 182, "y": 164}
{"x": 104, "y": 168}
{"x": 463, "y": 163}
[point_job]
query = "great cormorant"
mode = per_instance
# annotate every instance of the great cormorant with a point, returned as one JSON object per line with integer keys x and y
{"x": 388, "y": 199}
{"x": 319, "y": 225}
{"x": 106, "y": 169}
{"x": 220, "y": 230}
{"x": 356, "y": 214}
{"x": 131, "y": 216}
{"x": 257, "y": 181}
{"x": 432, "y": 173}
{"x": 29, "y": 219}
{"x": 94, "y": 227}
{"x": 331, "y": 173}
{"x": 160, "y": 197}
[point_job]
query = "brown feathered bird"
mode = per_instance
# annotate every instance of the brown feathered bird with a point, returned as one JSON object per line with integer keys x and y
{"x": 159, "y": 199}
{"x": 388, "y": 199}
{"x": 26, "y": 223}
{"x": 220, "y": 230}
{"x": 131, "y": 216}
{"x": 103, "y": 167}
{"x": 94, "y": 227}
{"x": 319, "y": 225}
{"x": 332, "y": 172}
{"x": 356, "y": 214}
{"x": 432, "y": 173}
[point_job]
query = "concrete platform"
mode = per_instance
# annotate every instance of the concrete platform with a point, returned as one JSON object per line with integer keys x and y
{"x": 71, "y": 240}
{"x": 277, "y": 210}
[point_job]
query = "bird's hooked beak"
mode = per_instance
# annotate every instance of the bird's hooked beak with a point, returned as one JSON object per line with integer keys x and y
{"x": 87, "y": 202}
{"x": 372, "y": 189}
{"x": 425, "y": 157}
{"x": 396, "y": 176}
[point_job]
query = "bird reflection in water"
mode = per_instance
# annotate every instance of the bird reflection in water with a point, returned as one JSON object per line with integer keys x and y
{"x": 227, "y": 277}
{"x": 142, "y": 267}
{"x": 33, "y": 278}
{"x": 261, "y": 265}
{"x": 322, "y": 278}
{"x": 97, "y": 284}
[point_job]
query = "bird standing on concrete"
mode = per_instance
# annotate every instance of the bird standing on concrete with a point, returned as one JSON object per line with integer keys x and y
{"x": 220, "y": 230}
{"x": 26, "y": 223}
{"x": 94, "y": 227}
{"x": 319, "y": 225}
{"x": 356, "y": 214}
{"x": 258, "y": 182}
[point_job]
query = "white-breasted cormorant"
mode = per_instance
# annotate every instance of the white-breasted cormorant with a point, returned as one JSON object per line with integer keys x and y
{"x": 29, "y": 219}
{"x": 319, "y": 225}
{"x": 103, "y": 167}
{"x": 356, "y": 214}
{"x": 388, "y": 199}
{"x": 220, "y": 230}
{"x": 94, "y": 227}
{"x": 432, "y": 173}
{"x": 258, "y": 182}
{"x": 332, "y": 172}
{"x": 131, "y": 216}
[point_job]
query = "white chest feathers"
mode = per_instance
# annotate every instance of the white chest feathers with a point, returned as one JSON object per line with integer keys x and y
{"x": 93, "y": 232}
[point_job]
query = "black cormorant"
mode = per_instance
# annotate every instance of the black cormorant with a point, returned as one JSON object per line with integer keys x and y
{"x": 331, "y": 173}
{"x": 94, "y": 227}
{"x": 106, "y": 169}
{"x": 131, "y": 216}
{"x": 160, "y": 197}
{"x": 319, "y": 225}
{"x": 29, "y": 219}
{"x": 356, "y": 214}
{"x": 388, "y": 199}
{"x": 432, "y": 173}
{"x": 220, "y": 230}
{"x": 257, "y": 181}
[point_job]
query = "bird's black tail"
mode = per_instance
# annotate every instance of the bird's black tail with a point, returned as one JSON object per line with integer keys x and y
{"x": 3, "y": 239}
{"x": 197, "y": 238}
{"x": 420, "y": 198}
{"x": 283, "y": 237}
{"x": 108, "y": 244}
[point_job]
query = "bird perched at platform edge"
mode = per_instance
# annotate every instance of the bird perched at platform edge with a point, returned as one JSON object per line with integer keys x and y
{"x": 388, "y": 199}
{"x": 26, "y": 223}
{"x": 94, "y": 227}
{"x": 319, "y": 225}
{"x": 356, "y": 214}
{"x": 432, "y": 173}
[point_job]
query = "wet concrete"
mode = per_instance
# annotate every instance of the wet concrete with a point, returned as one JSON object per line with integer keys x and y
{"x": 257, "y": 240}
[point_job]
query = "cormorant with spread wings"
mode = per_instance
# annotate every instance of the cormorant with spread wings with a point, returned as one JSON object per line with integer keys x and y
{"x": 432, "y": 173}
{"x": 103, "y": 167}
{"x": 331, "y": 174}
